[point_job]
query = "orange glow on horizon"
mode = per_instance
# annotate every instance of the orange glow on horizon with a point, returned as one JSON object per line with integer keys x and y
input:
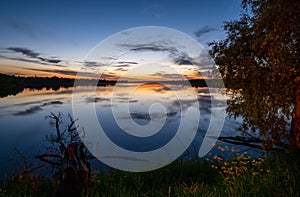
{"x": 11, "y": 67}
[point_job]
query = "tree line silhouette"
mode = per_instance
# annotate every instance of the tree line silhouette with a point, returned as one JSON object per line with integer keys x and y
{"x": 12, "y": 85}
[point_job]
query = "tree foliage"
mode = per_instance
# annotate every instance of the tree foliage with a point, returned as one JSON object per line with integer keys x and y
{"x": 259, "y": 62}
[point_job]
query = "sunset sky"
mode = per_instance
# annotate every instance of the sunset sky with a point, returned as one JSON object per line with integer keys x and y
{"x": 47, "y": 38}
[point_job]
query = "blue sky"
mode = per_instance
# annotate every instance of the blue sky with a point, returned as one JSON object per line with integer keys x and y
{"x": 68, "y": 30}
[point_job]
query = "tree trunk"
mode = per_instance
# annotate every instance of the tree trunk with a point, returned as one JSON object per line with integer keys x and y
{"x": 295, "y": 130}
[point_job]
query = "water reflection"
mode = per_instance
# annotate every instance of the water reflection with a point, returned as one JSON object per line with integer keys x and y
{"x": 144, "y": 103}
{"x": 23, "y": 124}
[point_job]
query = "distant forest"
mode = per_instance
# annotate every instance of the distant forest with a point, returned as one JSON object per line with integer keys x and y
{"x": 12, "y": 85}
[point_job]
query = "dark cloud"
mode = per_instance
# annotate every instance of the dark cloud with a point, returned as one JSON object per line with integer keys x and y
{"x": 203, "y": 30}
{"x": 24, "y": 51}
{"x": 35, "y": 61}
{"x": 55, "y": 61}
{"x": 183, "y": 60}
{"x": 121, "y": 69}
{"x": 177, "y": 56}
{"x": 150, "y": 47}
{"x": 109, "y": 58}
{"x": 92, "y": 64}
{"x": 125, "y": 62}
{"x": 32, "y": 54}
{"x": 22, "y": 59}
{"x": 202, "y": 60}
{"x": 122, "y": 65}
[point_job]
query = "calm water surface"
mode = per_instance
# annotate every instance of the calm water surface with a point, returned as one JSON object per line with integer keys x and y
{"x": 24, "y": 127}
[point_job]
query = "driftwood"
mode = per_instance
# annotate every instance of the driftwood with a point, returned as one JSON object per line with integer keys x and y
{"x": 238, "y": 140}
{"x": 75, "y": 172}
{"x": 251, "y": 142}
{"x": 68, "y": 157}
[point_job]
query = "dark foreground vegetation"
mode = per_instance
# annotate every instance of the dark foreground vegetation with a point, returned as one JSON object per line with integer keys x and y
{"x": 242, "y": 176}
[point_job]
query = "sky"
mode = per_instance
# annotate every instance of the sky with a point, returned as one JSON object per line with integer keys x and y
{"x": 47, "y": 38}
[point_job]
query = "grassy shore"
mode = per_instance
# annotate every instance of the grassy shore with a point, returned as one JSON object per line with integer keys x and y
{"x": 278, "y": 175}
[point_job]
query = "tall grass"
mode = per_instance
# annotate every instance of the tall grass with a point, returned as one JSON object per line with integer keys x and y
{"x": 278, "y": 175}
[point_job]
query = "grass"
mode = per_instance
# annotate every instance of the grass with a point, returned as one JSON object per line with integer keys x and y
{"x": 278, "y": 175}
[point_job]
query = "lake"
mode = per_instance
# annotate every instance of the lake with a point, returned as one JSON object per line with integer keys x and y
{"x": 121, "y": 111}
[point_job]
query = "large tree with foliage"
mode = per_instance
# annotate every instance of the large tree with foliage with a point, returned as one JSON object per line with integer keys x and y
{"x": 259, "y": 62}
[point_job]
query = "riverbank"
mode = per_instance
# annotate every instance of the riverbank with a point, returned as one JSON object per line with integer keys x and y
{"x": 278, "y": 175}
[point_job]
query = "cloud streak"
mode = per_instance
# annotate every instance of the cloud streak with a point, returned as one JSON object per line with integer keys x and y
{"x": 73, "y": 73}
{"x": 204, "y": 30}
{"x": 32, "y": 54}
{"x": 54, "y": 61}
{"x": 178, "y": 56}
{"x": 34, "y": 61}
{"x": 183, "y": 60}
{"x": 24, "y": 51}
{"x": 127, "y": 62}
{"x": 150, "y": 47}
{"x": 92, "y": 64}
{"x": 64, "y": 72}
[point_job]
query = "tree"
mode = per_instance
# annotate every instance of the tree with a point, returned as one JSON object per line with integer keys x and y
{"x": 259, "y": 63}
